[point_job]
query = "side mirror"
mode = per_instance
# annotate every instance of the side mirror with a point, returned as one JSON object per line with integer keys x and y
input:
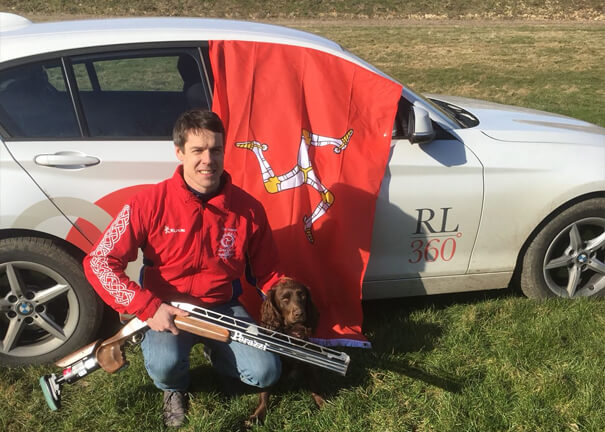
{"x": 420, "y": 126}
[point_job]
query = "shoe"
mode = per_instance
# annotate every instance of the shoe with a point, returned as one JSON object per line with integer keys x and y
{"x": 175, "y": 408}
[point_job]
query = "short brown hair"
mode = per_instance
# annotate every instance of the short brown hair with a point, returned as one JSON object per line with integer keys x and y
{"x": 195, "y": 120}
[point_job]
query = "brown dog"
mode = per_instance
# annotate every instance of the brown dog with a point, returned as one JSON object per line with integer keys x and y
{"x": 289, "y": 309}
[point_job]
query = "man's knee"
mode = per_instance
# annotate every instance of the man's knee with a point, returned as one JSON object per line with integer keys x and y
{"x": 166, "y": 367}
{"x": 166, "y": 360}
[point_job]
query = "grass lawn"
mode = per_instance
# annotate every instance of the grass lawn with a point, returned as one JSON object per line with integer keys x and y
{"x": 480, "y": 362}
{"x": 552, "y": 67}
{"x": 471, "y": 362}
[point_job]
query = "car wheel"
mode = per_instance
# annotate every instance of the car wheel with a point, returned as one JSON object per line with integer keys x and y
{"x": 567, "y": 257}
{"x": 47, "y": 307}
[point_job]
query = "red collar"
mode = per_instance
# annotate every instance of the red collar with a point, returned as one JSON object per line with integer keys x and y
{"x": 220, "y": 201}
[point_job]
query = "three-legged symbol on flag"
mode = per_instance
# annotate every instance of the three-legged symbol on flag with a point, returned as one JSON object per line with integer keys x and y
{"x": 302, "y": 173}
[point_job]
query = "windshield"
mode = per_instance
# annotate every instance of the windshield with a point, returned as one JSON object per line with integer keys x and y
{"x": 446, "y": 119}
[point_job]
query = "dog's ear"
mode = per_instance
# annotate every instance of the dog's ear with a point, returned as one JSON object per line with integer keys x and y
{"x": 312, "y": 312}
{"x": 271, "y": 316}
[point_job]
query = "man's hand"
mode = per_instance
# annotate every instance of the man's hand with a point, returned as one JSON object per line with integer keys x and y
{"x": 163, "y": 319}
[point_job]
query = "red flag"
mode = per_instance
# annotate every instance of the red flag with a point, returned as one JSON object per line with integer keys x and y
{"x": 308, "y": 134}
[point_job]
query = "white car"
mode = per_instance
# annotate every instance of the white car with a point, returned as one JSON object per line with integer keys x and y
{"x": 476, "y": 194}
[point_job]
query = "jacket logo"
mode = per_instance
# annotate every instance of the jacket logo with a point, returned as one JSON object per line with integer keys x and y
{"x": 168, "y": 230}
{"x": 227, "y": 243}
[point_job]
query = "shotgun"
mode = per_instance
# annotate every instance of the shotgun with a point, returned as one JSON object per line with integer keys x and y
{"x": 109, "y": 354}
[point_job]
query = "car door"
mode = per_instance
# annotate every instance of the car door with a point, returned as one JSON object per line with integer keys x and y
{"x": 88, "y": 161}
{"x": 427, "y": 217}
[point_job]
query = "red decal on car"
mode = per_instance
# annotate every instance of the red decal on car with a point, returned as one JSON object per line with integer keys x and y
{"x": 112, "y": 204}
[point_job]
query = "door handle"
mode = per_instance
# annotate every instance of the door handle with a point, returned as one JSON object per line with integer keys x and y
{"x": 66, "y": 160}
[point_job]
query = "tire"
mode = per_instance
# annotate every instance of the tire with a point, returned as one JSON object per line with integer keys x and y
{"x": 567, "y": 256}
{"x": 47, "y": 307}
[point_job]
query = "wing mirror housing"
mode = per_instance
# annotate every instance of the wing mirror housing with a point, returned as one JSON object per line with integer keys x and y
{"x": 420, "y": 126}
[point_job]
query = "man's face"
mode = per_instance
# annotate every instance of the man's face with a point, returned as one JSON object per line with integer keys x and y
{"x": 203, "y": 160}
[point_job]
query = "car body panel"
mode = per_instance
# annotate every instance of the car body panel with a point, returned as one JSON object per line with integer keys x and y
{"x": 432, "y": 285}
{"x": 122, "y": 164}
{"x": 24, "y": 205}
{"x": 517, "y": 124}
{"x": 530, "y": 171}
{"x": 522, "y": 187}
{"x": 431, "y": 196}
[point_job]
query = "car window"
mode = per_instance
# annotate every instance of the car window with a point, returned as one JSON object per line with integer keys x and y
{"x": 139, "y": 74}
{"x": 34, "y": 102}
{"x": 82, "y": 77}
{"x": 138, "y": 94}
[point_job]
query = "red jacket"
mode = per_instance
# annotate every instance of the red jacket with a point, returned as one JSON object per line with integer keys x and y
{"x": 195, "y": 249}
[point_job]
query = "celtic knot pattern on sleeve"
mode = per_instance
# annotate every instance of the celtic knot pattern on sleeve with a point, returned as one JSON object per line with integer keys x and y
{"x": 99, "y": 263}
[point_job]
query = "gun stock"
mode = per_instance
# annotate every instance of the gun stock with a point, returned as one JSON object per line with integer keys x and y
{"x": 202, "y": 328}
{"x": 110, "y": 354}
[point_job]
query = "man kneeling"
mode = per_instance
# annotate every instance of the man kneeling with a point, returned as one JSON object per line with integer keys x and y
{"x": 196, "y": 231}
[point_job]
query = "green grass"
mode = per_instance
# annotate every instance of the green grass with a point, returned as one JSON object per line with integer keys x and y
{"x": 471, "y": 362}
{"x": 552, "y": 67}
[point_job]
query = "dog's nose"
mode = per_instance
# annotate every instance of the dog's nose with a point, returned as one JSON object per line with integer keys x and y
{"x": 298, "y": 314}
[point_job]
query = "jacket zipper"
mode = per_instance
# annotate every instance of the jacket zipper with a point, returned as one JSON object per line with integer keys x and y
{"x": 197, "y": 244}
